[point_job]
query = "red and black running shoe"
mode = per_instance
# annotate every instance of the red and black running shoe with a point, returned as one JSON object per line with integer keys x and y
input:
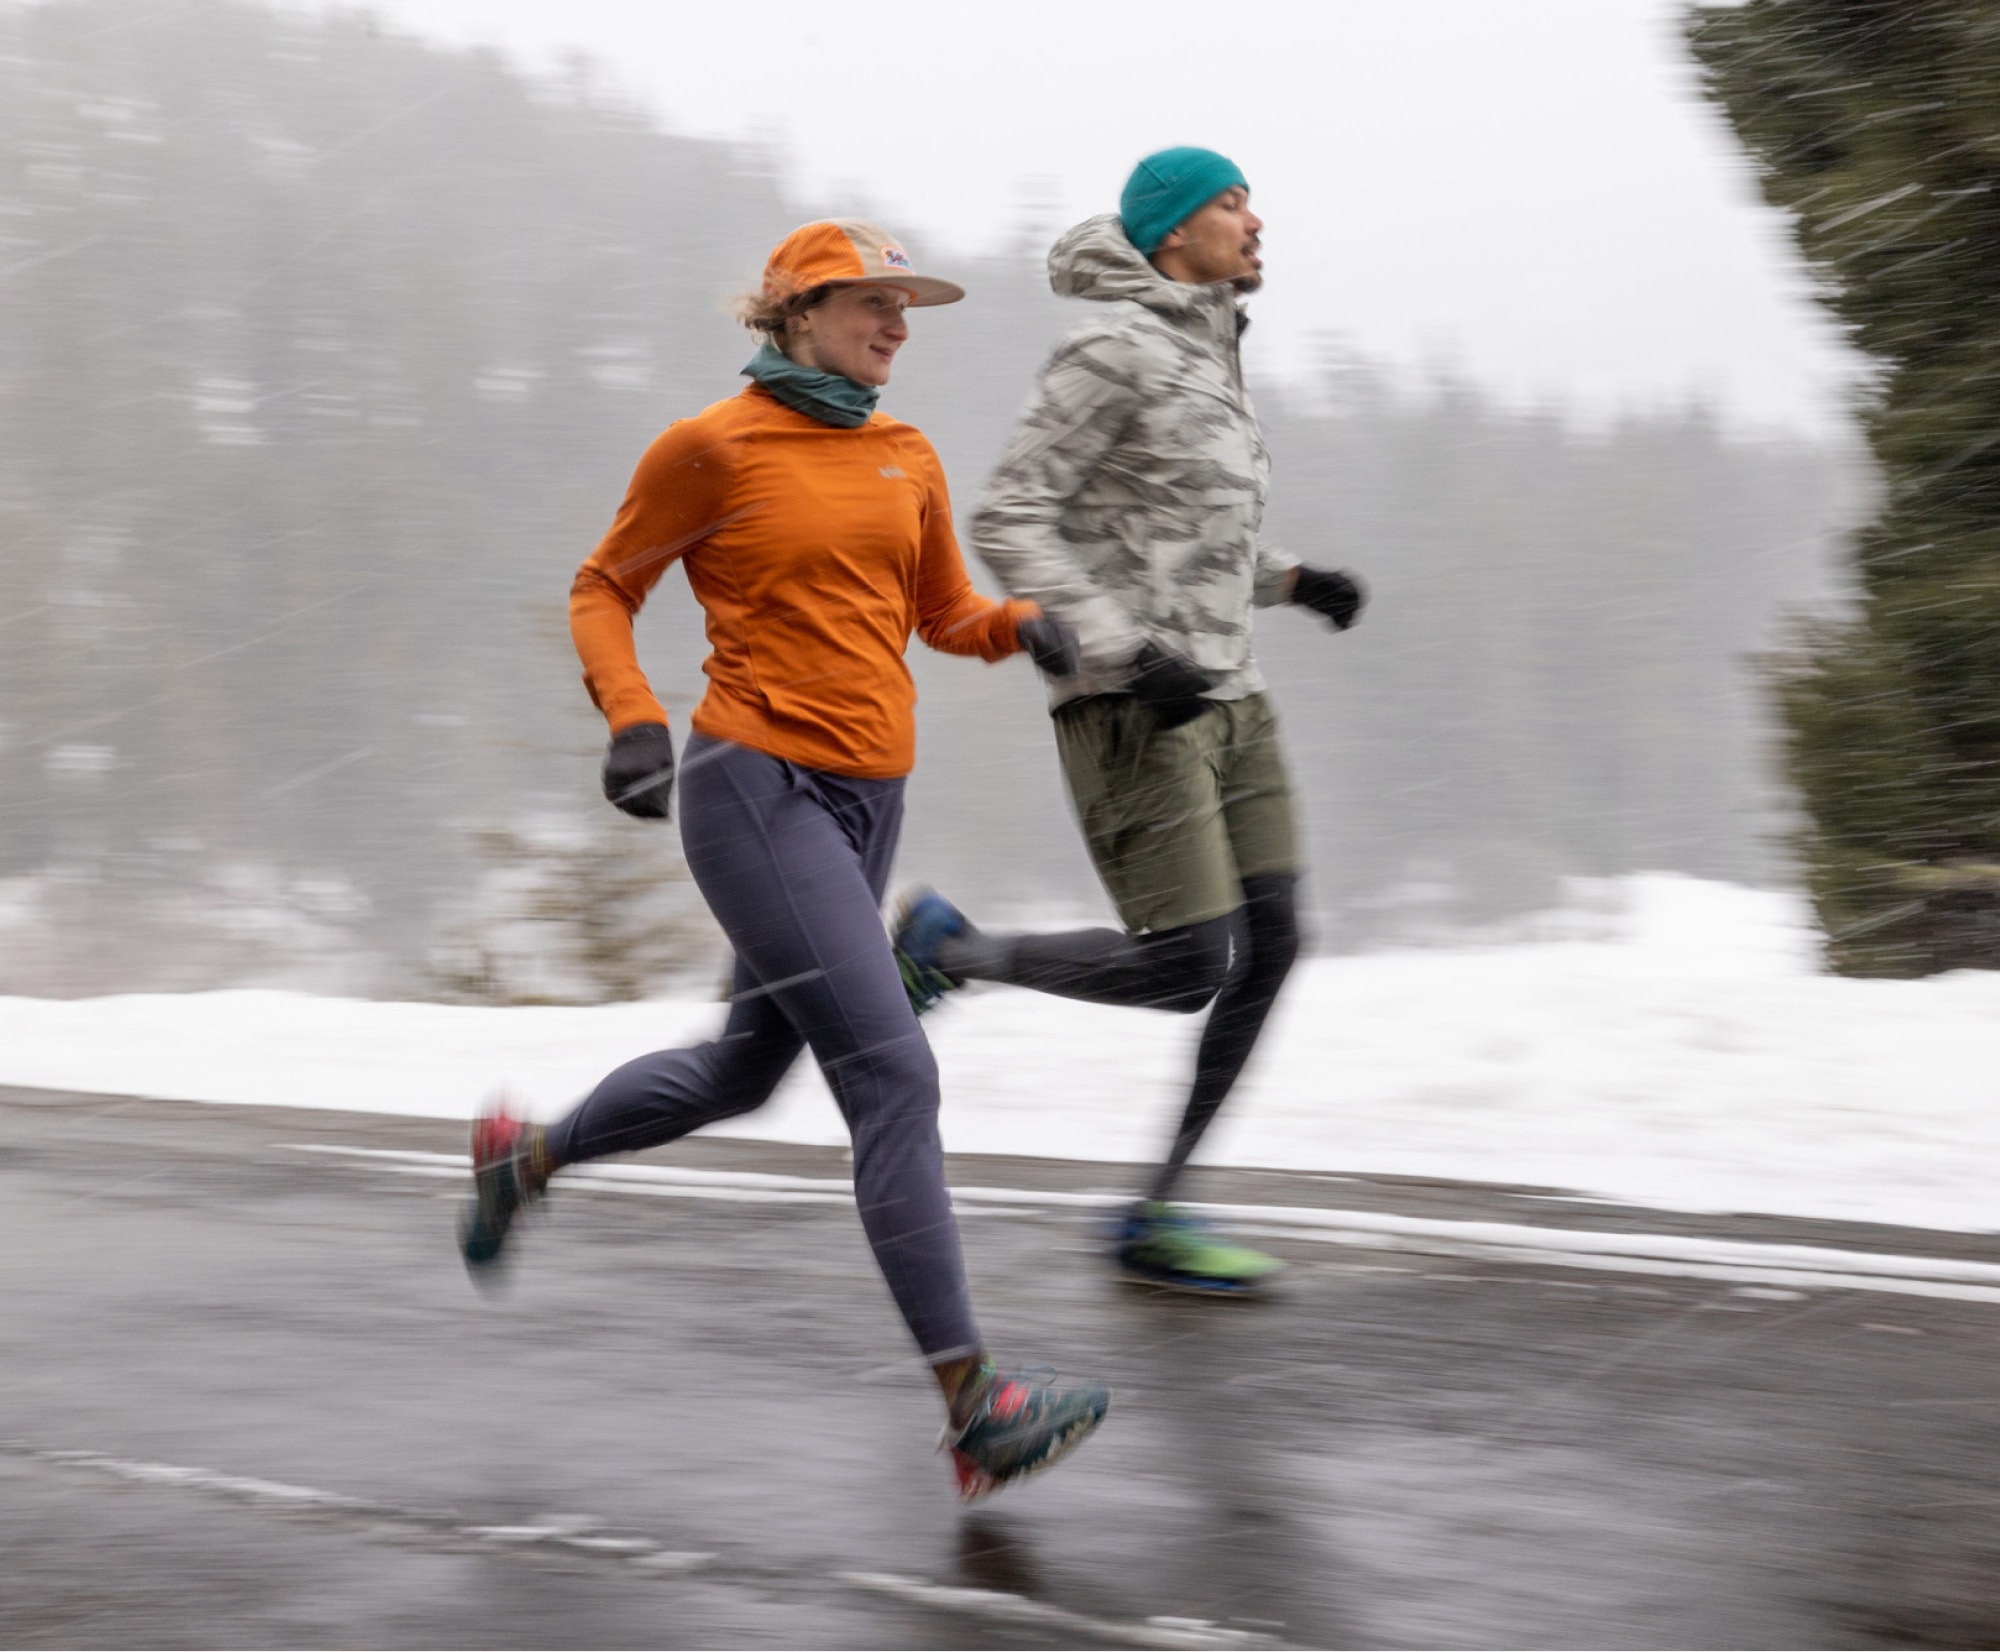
{"x": 1020, "y": 1427}
{"x": 505, "y": 1177}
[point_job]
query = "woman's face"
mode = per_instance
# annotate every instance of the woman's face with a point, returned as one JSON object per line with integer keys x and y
{"x": 857, "y": 332}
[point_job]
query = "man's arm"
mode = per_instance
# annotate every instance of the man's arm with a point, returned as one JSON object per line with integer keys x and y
{"x": 1277, "y": 574}
{"x": 1087, "y": 395}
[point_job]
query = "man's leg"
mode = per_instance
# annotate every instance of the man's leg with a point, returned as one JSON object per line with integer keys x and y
{"x": 1258, "y": 815}
{"x": 1150, "y": 803}
{"x": 1270, "y": 943}
{"x": 1161, "y": 1243}
{"x": 1176, "y": 969}
{"x": 1164, "y": 821}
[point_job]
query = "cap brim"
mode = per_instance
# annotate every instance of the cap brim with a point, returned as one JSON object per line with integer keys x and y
{"x": 924, "y": 290}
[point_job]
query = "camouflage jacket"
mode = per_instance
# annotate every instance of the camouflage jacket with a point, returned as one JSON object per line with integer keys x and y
{"x": 1130, "y": 498}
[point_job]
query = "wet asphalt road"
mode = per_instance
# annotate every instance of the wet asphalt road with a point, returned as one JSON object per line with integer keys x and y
{"x": 248, "y": 1398}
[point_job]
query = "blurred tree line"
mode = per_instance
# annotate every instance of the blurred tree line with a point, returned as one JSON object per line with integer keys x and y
{"x": 1876, "y": 123}
{"x": 325, "y": 356}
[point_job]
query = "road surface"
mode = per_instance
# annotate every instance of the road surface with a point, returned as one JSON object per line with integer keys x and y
{"x": 249, "y": 1398}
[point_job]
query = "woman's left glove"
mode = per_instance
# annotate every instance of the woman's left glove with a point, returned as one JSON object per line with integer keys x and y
{"x": 1050, "y": 644}
{"x": 639, "y": 770}
{"x": 1336, "y": 595}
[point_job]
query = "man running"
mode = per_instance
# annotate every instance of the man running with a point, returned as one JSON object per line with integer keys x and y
{"x": 1128, "y": 505}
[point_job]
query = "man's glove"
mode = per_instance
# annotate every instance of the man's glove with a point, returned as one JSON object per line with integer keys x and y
{"x": 1336, "y": 595}
{"x": 639, "y": 770}
{"x": 1172, "y": 686}
{"x": 1050, "y": 644}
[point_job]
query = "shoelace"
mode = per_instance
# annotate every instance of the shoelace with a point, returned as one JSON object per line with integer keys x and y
{"x": 1036, "y": 1376}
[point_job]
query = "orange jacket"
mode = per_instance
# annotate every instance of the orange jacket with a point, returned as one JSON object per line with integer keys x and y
{"x": 815, "y": 552}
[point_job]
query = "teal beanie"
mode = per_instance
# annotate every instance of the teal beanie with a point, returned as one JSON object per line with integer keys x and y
{"x": 1167, "y": 189}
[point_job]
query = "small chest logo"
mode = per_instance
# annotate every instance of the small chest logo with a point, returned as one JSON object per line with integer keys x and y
{"x": 893, "y": 472}
{"x": 897, "y": 259}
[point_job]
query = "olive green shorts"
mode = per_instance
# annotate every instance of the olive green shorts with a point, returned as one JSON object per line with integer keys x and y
{"x": 1176, "y": 819}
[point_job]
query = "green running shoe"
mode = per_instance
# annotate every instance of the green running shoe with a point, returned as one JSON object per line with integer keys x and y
{"x": 1020, "y": 1427}
{"x": 1161, "y": 1244}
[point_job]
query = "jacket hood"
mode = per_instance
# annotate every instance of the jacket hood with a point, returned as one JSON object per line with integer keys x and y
{"x": 1097, "y": 260}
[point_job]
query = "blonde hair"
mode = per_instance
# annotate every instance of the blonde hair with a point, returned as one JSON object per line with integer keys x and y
{"x": 767, "y": 310}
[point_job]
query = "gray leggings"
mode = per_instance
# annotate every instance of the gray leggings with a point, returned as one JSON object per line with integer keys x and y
{"x": 794, "y": 863}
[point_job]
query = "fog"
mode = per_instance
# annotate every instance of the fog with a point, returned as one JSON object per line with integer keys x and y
{"x": 324, "y": 359}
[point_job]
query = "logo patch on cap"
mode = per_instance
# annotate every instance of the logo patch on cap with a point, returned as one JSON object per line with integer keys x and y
{"x": 897, "y": 259}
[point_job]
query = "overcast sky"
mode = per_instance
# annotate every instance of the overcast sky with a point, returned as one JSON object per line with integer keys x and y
{"x": 1530, "y": 191}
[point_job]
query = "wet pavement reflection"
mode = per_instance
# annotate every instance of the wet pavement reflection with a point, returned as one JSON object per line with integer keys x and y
{"x": 251, "y": 1399}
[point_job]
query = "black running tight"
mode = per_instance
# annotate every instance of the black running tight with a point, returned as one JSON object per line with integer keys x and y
{"x": 1236, "y": 963}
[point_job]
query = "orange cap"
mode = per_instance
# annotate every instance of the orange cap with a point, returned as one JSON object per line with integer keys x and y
{"x": 846, "y": 252}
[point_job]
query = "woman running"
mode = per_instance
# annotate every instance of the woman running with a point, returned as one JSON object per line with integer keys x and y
{"x": 816, "y": 536}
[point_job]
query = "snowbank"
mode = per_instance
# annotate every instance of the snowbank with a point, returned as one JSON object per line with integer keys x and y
{"x": 1682, "y": 1051}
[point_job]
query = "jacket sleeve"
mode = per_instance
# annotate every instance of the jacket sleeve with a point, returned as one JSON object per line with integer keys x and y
{"x": 1088, "y": 393}
{"x": 675, "y": 501}
{"x": 952, "y": 617}
{"x": 1274, "y": 574}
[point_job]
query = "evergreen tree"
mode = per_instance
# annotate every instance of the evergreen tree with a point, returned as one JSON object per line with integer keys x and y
{"x": 1876, "y": 124}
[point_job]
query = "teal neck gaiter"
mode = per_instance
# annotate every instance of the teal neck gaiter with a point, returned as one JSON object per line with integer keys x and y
{"x": 832, "y": 398}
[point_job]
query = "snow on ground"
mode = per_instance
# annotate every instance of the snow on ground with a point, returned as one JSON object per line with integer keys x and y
{"x": 1679, "y": 1049}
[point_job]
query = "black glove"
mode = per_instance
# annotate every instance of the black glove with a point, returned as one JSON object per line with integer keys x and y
{"x": 1326, "y": 591}
{"x": 1050, "y": 644}
{"x": 1172, "y": 686}
{"x": 639, "y": 770}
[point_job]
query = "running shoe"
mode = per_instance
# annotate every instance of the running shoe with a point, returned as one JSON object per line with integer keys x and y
{"x": 1161, "y": 1244}
{"x": 924, "y": 921}
{"x": 1020, "y": 1427}
{"x": 505, "y": 1177}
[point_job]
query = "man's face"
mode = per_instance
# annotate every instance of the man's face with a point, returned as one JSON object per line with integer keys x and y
{"x": 1219, "y": 243}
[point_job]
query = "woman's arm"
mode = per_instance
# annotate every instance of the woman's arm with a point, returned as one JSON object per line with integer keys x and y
{"x": 673, "y": 503}
{"x": 952, "y": 617}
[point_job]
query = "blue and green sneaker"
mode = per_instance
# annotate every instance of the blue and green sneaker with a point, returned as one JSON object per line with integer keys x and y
{"x": 1161, "y": 1244}
{"x": 924, "y": 921}
{"x": 1020, "y": 1427}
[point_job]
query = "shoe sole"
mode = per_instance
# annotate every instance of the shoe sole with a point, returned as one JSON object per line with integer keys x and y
{"x": 482, "y": 1256}
{"x": 482, "y": 1232}
{"x": 477, "y": 1242}
{"x": 1229, "y": 1290}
